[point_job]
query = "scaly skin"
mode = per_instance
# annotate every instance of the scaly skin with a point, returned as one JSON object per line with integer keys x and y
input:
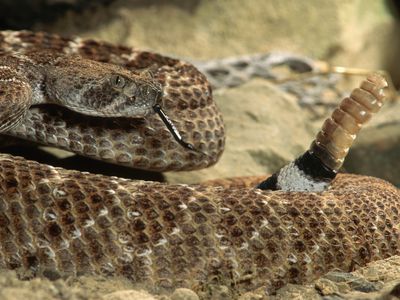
{"x": 166, "y": 236}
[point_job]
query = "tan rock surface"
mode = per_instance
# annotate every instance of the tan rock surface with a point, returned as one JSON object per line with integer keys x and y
{"x": 12, "y": 288}
{"x": 128, "y": 295}
{"x": 376, "y": 151}
{"x": 344, "y": 32}
{"x": 377, "y": 280}
{"x": 265, "y": 129}
{"x": 184, "y": 294}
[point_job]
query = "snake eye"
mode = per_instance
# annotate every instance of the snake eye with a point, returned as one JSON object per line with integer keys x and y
{"x": 117, "y": 81}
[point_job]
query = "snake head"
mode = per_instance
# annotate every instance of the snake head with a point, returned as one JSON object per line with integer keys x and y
{"x": 102, "y": 89}
{"x": 127, "y": 96}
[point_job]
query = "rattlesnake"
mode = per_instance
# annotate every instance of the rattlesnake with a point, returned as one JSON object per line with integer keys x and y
{"x": 57, "y": 221}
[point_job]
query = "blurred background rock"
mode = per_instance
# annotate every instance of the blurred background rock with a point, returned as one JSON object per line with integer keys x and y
{"x": 362, "y": 33}
{"x": 357, "y": 33}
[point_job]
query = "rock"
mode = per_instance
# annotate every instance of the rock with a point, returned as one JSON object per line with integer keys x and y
{"x": 333, "y": 297}
{"x": 395, "y": 290}
{"x": 335, "y": 282}
{"x": 377, "y": 280}
{"x": 265, "y": 129}
{"x": 298, "y": 292}
{"x": 346, "y": 32}
{"x": 184, "y": 294}
{"x": 339, "y": 276}
{"x": 326, "y": 287}
{"x": 251, "y": 296}
{"x": 75, "y": 288}
{"x": 365, "y": 286}
{"x": 217, "y": 292}
{"x": 129, "y": 295}
{"x": 12, "y": 288}
{"x": 13, "y": 17}
{"x": 376, "y": 151}
{"x": 385, "y": 270}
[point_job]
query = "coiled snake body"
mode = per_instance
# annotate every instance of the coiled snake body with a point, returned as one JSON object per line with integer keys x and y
{"x": 162, "y": 235}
